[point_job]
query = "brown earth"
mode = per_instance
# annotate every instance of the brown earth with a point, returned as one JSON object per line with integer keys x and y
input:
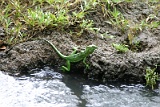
{"x": 106, "y": 64}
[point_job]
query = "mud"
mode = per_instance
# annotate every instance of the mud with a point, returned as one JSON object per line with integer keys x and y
{"x": 105, "y": 63}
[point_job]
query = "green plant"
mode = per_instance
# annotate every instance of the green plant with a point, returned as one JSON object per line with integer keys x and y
{"x": 5, "y": 20}
{"x": 6, "y": 24}
{"x": 39, "y": 18}
{"x": 88, "y": 26}
{"x": 90, "y": 4}
{"x": 120, "y": 47}
{"x": 151, "y": 77}
{"x": 62, "y": 19}
{"x": 78, "y": 15}
{"x": 15, "y": 4}
{"x": 19, "y": 17}
{"x": 147, "y": 24}
{"x": 118, "y": 20}
{"x": 10, "y": 19}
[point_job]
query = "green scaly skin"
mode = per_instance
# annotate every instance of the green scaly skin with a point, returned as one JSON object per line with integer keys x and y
{"x": 74, "y": 57}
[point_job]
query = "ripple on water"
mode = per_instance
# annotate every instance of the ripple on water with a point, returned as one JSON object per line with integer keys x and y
{"x": 125, "y": 96}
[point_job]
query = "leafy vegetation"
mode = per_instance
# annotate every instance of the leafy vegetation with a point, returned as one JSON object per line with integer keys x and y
{"x": 21, "y": 19}
{"x": 151, "y": 77}
{"x": 120, "y": 47}
{"x": 118, "y": 20}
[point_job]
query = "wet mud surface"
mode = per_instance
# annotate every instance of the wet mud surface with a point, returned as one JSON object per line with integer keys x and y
{"x": 106, "y": 64}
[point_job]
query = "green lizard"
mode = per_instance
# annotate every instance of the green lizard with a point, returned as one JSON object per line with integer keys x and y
{"x": 74, "y": 57}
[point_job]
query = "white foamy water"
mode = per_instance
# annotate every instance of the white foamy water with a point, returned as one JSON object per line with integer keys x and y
{"x": 31, "y": 92}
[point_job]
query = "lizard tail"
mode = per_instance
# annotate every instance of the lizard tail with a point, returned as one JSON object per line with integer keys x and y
{"x": 58, "y": 52}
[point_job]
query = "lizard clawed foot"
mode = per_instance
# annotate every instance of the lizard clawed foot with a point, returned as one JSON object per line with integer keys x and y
{"x": 63, "y": 68}
{"x": 87, "y": 66}
{"x": 75, "y": 48}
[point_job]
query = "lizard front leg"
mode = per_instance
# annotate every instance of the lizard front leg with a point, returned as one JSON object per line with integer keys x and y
{"x": 67, "y": 68}
{"x": 84, "y": 61}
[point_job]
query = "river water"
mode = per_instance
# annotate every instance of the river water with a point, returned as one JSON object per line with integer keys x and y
{"x": 47, "y": 88}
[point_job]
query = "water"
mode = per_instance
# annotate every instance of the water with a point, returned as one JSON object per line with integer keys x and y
{"x": 47, "y": 88}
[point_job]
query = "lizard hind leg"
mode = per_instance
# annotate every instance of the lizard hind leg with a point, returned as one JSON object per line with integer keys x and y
{"x": 68, "y": 65}
{"x": 66, "y": 68}
{"x": 74, "y": 51}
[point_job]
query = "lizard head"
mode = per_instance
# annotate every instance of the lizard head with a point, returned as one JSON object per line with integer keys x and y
{"x": 90, "y": 49}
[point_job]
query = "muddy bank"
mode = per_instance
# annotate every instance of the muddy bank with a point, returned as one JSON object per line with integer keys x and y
{"x": 106, "y": 64}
